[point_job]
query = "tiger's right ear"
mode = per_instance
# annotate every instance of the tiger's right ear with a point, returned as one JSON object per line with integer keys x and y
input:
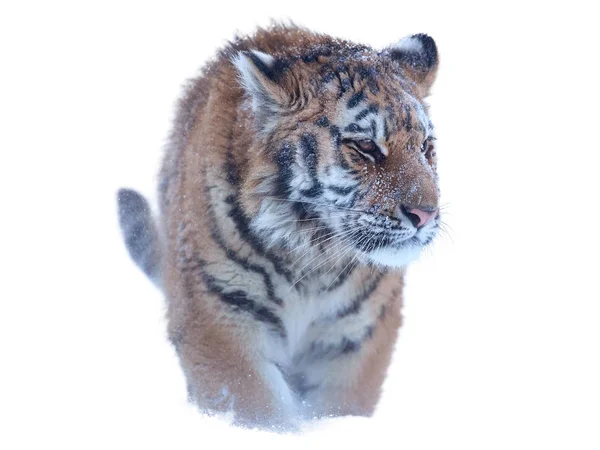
{"x": 258, "y": 73}
{"x": 418, "y": 57}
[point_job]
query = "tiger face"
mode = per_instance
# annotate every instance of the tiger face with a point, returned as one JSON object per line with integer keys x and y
{"x": 346, "y": 149}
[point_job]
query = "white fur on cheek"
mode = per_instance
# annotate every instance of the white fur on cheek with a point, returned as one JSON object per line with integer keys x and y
{"x": 394, "y": 257}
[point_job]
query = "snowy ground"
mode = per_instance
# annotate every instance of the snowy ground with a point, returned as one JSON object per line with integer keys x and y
{"x": 500, "y": 347}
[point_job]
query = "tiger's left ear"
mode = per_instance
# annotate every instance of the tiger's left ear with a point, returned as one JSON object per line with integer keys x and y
{"x": 418, "y": 57}
{"x": 258, "y": 74}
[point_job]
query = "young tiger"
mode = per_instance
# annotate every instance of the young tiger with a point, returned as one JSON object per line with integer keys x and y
{"x": 299, "y": 181}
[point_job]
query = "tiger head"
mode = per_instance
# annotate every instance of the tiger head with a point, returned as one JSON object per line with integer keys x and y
{"x": 344, "y": 149}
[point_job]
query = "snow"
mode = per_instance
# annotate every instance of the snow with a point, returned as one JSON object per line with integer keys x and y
{"x": 500, "y": 343}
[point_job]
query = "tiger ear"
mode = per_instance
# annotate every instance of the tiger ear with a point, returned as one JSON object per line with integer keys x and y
{"x": 258, "y": 74}
{"x": 418, "y": 57}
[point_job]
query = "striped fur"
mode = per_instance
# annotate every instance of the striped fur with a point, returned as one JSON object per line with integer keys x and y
{"x": 283, "y": 206}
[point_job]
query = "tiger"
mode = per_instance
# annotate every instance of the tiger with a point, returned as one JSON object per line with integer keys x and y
{"x": 298, "y": 182}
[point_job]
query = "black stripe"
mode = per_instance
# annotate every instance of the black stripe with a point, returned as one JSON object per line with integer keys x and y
{"x": 302, "y": 211}
{"x": 339, "y": 190}
{"x": 327, "y": 74}
{"x": 374, "y": 128}
{"x": 356, "y": 159}
{"x": 407, "y": 121}
{"x": 313, "y": 54}
{"x": 188, "y": 265}
{"x": 233, "y": 177}
{"x": 308, "y": 145}
{"x": 344, "y": 81}
{"x": 373, "y": 86}
{"x": 319, "y": 237}
{"x": 361, "y": 195}
{"x": 355, "y": 128}
{"x": 240, "y": 301}
{"x": 314, "y": 191}
{"x": 346, "y": 346}
{"x": 353, "y": 199}
{"x": 242, "y": 222}
{"x": 355, "y": 99}
{"x": 357, "y": 302}
{"x": 243, "y": 262}
{"x": 297, "y": 382}
{"x": 346, "y": 84}
{"x": 285, "y": 161}
{"x": 322, "y": 121}
{"x": 372, "y": 109}
{"x": 361, "y": 115}
{"x": 343, "y": 277}
{"x": 336, "y": 136}
{"x": 310, "y": 149}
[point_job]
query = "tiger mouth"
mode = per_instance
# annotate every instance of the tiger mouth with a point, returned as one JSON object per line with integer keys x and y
{"x": 381, "y": 233}
{"x": 368, "y": 241}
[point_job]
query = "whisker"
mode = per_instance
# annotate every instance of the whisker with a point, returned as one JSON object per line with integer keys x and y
{"x": 342, "y": 271}
{"x": 445, "y": 208}
{"x": 445, "y": 232}
{"x": 339, "y": 259}
{"x": 336, "y": 214}
{"x": 445, "y": 225}
{"x": 308, "y": 230}
{"x": 326, "y": 205}
{"x": 331, "y": 236}
{"x": 312, "y": 242}
{"x": 347, "y": 244}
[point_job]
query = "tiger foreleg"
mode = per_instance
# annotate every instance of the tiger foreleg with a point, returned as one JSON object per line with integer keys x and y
{"x": 227, "y": 373}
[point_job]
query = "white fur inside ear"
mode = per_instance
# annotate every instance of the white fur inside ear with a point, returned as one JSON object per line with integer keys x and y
{"x": 267, "y": 59}
{"x": 248, "y": 69}
{"x": 409, "y": 44}
{"x": 253, "y": 67}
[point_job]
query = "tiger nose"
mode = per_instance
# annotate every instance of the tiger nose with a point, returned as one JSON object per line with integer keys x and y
{"x": 419, "y": 217}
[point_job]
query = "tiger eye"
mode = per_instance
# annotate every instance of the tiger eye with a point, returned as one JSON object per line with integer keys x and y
{"x": 366, "y": 145}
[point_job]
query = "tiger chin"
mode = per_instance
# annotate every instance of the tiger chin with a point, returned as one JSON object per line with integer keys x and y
{"x": 298, "y": 182}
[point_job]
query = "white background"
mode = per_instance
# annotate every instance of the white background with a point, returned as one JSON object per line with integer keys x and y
{"x": 500, "y": 347}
